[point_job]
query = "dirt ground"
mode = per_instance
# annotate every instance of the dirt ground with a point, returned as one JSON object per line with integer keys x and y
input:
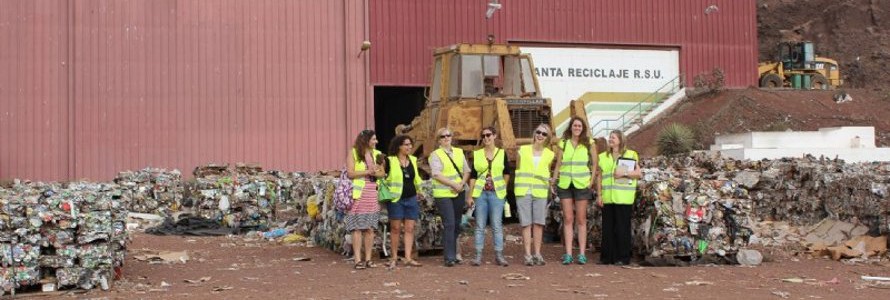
{"x": 240, "y": 269}
{"x": 755, "y": 109}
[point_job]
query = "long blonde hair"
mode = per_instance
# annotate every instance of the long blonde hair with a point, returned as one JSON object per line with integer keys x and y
{"x": 622, "y": 146}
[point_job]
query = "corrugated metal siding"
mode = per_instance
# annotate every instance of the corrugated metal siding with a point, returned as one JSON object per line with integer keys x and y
{"x": 176, "y": 83}
{"x": 405, "y": 32}
{"x": 33, "y": 89}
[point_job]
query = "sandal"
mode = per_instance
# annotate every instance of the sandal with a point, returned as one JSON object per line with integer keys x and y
{"x": 413, "y": 263}
{"x": 392, "y": 263}
{"x": 370, "y": 264}
{"x": 359, "y": 265}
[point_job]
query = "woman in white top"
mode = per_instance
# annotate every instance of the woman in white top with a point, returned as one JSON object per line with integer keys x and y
{"x": 532, "y": 187}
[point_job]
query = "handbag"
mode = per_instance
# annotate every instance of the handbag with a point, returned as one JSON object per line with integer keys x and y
{"x": 343, "y": 193}
{"x": 383, "y": 192}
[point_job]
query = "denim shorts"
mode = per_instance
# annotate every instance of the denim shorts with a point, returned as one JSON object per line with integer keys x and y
{"x": 575, "y": 193}
{"x": 404, "y": 209}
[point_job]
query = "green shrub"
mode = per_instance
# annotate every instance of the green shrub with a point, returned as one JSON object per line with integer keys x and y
{"x": 675, "y": 139}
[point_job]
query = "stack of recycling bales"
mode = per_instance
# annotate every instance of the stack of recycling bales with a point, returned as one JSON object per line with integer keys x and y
{"x": 804, "y": 191}
{"x": 703, "y": 204}
{"x": 685, "y": 216}
{"x": 243, "y": 196}
{"x": 313, "y": 200}
{"x": 152, "y": 190}
{"x": 67, "y": 235}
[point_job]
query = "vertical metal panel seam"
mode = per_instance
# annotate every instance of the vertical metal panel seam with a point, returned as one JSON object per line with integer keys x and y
{"x": 70, "y": 101}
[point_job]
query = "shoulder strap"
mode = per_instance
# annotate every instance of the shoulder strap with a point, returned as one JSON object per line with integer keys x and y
{"x": 459, "y": 170}
{"x": 490, "y": 160}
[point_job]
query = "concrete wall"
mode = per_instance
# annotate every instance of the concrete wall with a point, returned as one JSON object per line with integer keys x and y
{"x": 852, "y": 144}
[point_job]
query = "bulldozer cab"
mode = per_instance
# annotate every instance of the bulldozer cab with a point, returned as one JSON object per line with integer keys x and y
{"x": 796, "y": 55}
{"x": 474, "y": 86}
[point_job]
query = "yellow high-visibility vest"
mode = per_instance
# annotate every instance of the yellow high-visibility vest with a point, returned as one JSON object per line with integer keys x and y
{"x": 575, "y": 168}
{"x": 480, "y": 164}
{"x": 529, "y": 176}
{"x": 440, "y": 190}
{"x": 395, "y": 180}
{"x": 359, "y": 183}
{"x": 614, "y": 192}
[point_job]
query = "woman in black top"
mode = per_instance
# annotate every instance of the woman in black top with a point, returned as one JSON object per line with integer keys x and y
{"x": 404, "y": 181}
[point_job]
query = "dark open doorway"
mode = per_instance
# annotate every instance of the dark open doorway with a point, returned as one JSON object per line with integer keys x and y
{"x": 394, "y": 105}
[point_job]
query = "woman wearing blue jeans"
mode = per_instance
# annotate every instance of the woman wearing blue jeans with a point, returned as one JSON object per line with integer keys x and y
{"x": 488, "y": 183}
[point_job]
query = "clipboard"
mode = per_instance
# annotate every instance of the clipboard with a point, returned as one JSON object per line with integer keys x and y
{"x": 625, "y": 165}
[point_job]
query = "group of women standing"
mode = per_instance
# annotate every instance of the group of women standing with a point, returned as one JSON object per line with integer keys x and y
{"x": 570, "y": 167}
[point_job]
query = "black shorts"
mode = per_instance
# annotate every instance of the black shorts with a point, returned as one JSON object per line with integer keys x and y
{"x": 575, "y": 193}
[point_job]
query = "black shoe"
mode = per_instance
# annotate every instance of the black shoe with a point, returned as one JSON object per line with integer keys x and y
{"x": 449, "y": 263}
{"x": 620, "y": 263}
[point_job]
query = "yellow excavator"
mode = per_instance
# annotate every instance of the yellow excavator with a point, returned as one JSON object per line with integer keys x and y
{"x": 478, "y": 85}
{"x": 797, "y": 66}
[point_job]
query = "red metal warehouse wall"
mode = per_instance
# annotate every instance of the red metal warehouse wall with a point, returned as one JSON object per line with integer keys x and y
{"x": 405, "y": 32}
{"x": 89, "y": 88}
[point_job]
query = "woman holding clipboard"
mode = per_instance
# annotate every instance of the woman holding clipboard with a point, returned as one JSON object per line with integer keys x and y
{"x": 620, "y": 171}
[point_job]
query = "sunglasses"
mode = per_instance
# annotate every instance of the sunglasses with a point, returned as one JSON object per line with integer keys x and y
{"x": 542, "y": 133}
{"x": 445, "y": 136}
{"x": 485, "y": 135}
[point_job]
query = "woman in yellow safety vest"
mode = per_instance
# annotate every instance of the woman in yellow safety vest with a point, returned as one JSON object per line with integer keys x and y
{"x": 488, "y": 185}
{"x": 532, "y": 188}
{"x": 576, "y": 162}
{"x": 450, "y": 174}
{"x": 404, "y": 183}
{"x": 620, "y": 169}
{"x": 363, "y": 217}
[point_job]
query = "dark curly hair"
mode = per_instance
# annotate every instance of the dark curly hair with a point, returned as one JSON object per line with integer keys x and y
{"x": 397, "y": 142}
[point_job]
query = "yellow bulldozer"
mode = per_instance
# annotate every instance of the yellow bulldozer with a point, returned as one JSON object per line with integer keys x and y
{"x": 797, "y": 66}
{"x": 478, "y": 85}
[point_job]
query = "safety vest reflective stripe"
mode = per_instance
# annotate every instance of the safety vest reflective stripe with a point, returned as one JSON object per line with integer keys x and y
{"x": 575, "y": 163}
{"x": 620, "y": 188}
{"x": 605, "y": 176}
{"x": 531, "y": 185}
{"x": 577, "y": 174}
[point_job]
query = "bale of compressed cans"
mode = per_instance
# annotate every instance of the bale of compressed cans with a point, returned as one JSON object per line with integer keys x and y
{"x": 152, "y": 190}
{"x": 313, "y": 201}
{"x": 242, "y": 196}
{"x": 61, "y": 235}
